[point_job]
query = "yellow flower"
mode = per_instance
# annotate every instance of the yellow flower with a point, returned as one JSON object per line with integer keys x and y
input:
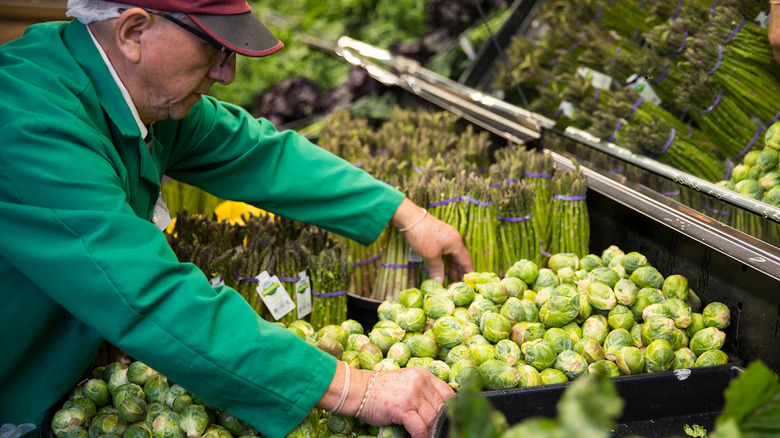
{"x": 235, "y": 212}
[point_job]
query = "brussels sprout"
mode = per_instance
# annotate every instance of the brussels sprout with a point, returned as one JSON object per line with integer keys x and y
{"x": 97, "y": 391}
{"x": 107, "y": 422}
{"x": 155, "y": 388}
{"x": 127, "y": 390}
{"x": 525, "y": 270}
{"x": 645, "y": 297}
{"x": 423, "y": 345}
{"x": 630, "y": 360}
{"x": 616, "y": 263}
{"x": 508, "y": 352}
{"x": 679, "y": 312}
{"x": 411, "y": 297}
{"x": 514, "y": 286}
{"x": 566, "y": 290}
{"x": 86, "y": 403}
{"x": 604, "y": 368}
{"x": 475, "y": 339}
{"x": 463, "y": 371}
{"x": 591, "y": 262}
{"x": 539, "y": 353}
{"x": 388, "y": 309}
{"x": 620, "y": 317}
{"x": 659, "y": 356}
{"x": 386, "y": 364}
{"x": 482, "y": 352}
{"x": 462, "y": 313}
{"x": 585, "y": 309}
{"x": 419, "y": 362}
{"x": 431, "y": 286}
{"x": 393, "y": 431}
{"x": 546, "y": 278}
{"x": 678, "y": 338}
{"x": 461, "y": 293}
{"x": 740, "y": 172}
{"x": 154, "y": 410}
{"x": 457, "y": 353}
{"x": 601, "y": 296}
{"x": 80, "y": 432}
{"x": 498, "y": 375}
{"x": 386, "y": 334}
{"x": 217, "y": 431}
{"x": 436, "y": 306}
{"x": 302, "y": 325}
{"x": 750, "y": 188}
{"x": 615, "y": 341}
{"x": 589, "y": 349}
{"x": 772, "y": 136}
{"x": 110, "y": 369}
{"x": 341, "y": 424}
{"x": 132, "y": 409}
{"x": 559, "y": 311}
{"x": 633, "y": 261}
{"x": 726, "y": 184}
{"x": 571, "y": 364}
{"x": 529, "y": 295}
{"x": 400, "y": 353}
{"x": 412, "y": 319}
{"x": 355, "y": 341}
{"x": 573, "y": 330}
{"x": 626, "y": 292}
{"x": 655, "y": 310}
{"x": 697, "y": 323}
{"x": 551, "y": 376}
{"x": 368, "y": 356}
{"x": 138, "y": 372}
{"x": 514, "y": 310}
{"x": 608, "y": 254}
{"x": 772, "y": 196}
{"x": 658, "y": 328}
{"x": 479, "y": 306}
{"x": 352, "y": 327}
{"x": 716, "y": 314}
{"x": 138, "y": 430}
{"x": 559, "y": 339}
{"x": 182, "y": 402}
{"x": 596, "y": 327}
{"x": 334, "y": 331}
{"x": 683, "y": 358}
{"x": 351, "y": 358}
{"x": 636, "y": 335}
{"x": 560, "y": 260}
{"x": 712, "y": 357}
{"x": 117, "y": 379}
{"x": 68, "y": 418}
{"x": 495, "y": 327}
{"x": 523, "y": 332}
{"x": 608, "y": 276}
{"x": 709, "y": 338}
{"x": 193, "y": 420}
{"x": 495, "y": 292}
{"x": 647, "y": 276}
{"x": 767, "y": 159}
{"x": 543, "y": 296}
{"x": 440, "y": 369}
{"x": 331, "y": 346}
{"x": 675, "y": 286}
{"x": 174, "y": 391}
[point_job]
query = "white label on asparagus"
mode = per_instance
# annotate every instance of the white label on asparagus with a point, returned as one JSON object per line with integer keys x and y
{"x": 274, "y": 295}
{"x": 303, "y": 294}
{"x": 644, "y": 88}
{"x": 763, "y": 19}
{"x": 468, "y": 49}
{"x": 413, "y": 256}
{"x": 596, "y": 78}
{"x": 217, "y": 281}
{"x": 567, "y": 108}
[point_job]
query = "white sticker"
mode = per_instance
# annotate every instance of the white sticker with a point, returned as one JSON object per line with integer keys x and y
{"x": 468, "y": 49}
{"x": 413, "y": 256}
{"x": 217, "y": 281}
{"x": 596, "y": 78}
{"x": 567, "y": 108}
{"x": 763, "y": 19}
{"x": 644, "y": 88}
{"x": 303, "y": 294}
{"x": 161, "y": 216}
{"x": 274, "y": 295}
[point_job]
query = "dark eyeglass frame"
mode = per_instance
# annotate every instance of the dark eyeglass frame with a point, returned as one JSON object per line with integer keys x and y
{"x": 195, "y": 31}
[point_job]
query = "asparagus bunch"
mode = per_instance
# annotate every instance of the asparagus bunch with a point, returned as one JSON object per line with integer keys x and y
{"x": 516, "y": 236}
{"x": 571, "y": 224}
{"x": 481, "y": 226}
{"x": 331, "y": 270}
{"x": 365, "y": 263}
{"x": 539, "y": 171}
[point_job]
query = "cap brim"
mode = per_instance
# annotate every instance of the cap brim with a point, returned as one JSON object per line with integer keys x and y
{"x": 240, "y": 33}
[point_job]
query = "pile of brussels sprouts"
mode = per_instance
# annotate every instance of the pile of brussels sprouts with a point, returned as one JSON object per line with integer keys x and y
{"x": 612, "y": 315}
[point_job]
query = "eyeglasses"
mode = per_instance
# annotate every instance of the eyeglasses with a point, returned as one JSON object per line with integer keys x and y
{"x": 195, "y": 31}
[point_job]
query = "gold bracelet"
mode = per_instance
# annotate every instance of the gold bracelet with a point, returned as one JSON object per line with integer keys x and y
{"x": 425, "y": 213}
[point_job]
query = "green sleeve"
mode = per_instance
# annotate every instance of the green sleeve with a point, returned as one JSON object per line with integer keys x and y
{"x": 68, "y": 229}
{"x": 224, "y": 150}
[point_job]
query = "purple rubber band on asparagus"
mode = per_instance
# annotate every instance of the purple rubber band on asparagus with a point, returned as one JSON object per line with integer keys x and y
{"x": 544, "y": 253}
{"x": 712, "y": 7}
{"x": 496, "y": 184}
{"x": 598, "y": 95}
{"x": 618, "y": 170}
{"x": 720, "y": 60}
{"x": 569, "y": 198}
{"x": 514, "y": 219}
{"x": 736, "y": 31}
{"x": 359, "y": 164}
{"x": 672, "y": 193}
{"x": 382, "y": 152}
{"x": 615, "y": 131}
{"x": 476, "y": 201}
{"x": 662, "y": 75}
{"x": 546, "y": 79}
{"x": 716, "y": 211}
{"x": 289, "y": 279}
{"x": 642, "y": 4}
{"x": 682, "y": 45}
{"x": 612, "y": 2}
{"x": 537, "y": 175}
{"x": 329, "y": 294}
{"x": 712, "y": 107}
{"x": 690, "y": 130}
{"x": 443, "y": 202}
{"x": 749, "y": 145}
{"x": 666, "y": 146}
{"x": 679, "y": 8}
{"x": 598, "y": 13}
{"x": 367, "y": 261}
{"x": 409, "y": 266}
{"x": 774, "y": 119}
{"x": 247, "y": 279}
{"x": 514, "y": 180}
{"x": 557, "y": 113}
{"x": 634, "y": 107}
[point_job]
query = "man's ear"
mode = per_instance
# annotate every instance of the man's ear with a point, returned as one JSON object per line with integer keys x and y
{"x": 129, "y": 27}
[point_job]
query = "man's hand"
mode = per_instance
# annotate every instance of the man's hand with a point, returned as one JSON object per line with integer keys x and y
{"x": 433, "y": 240}
{"x": 773, "y": 33}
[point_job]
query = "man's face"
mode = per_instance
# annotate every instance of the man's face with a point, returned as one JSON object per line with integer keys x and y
{"x": 179, "y": 68}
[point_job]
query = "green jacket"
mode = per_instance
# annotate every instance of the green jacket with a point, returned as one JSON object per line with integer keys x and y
{"x": 80, "y": 260}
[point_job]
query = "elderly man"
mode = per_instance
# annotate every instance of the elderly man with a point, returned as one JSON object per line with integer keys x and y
{"x": 93, "y": 112}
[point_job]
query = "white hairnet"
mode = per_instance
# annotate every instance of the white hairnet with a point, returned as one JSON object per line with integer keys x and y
{"x": 87, "y": 11}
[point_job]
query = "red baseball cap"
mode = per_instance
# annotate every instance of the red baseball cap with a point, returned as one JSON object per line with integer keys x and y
{"x": 230, "y": 22}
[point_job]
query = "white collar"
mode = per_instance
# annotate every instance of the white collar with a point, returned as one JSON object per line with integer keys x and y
{"x": 125, "y": 93}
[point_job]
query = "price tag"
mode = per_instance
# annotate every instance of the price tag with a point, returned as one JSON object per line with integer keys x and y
{"x": 413, "y": 256}
{"x": 217, "y": 281}
{"x": 274, "y": 295}
{"x": 763, "y": 19}
{"x": 467, "y": 48}
{"x": 303, "y": 294}
{"x": 596, "y": 78}
{"x": 567, "y": 108}
{"x": 644, "y": 88}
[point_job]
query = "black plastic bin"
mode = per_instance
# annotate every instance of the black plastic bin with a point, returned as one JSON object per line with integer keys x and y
{"x": 657, "y": 405}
